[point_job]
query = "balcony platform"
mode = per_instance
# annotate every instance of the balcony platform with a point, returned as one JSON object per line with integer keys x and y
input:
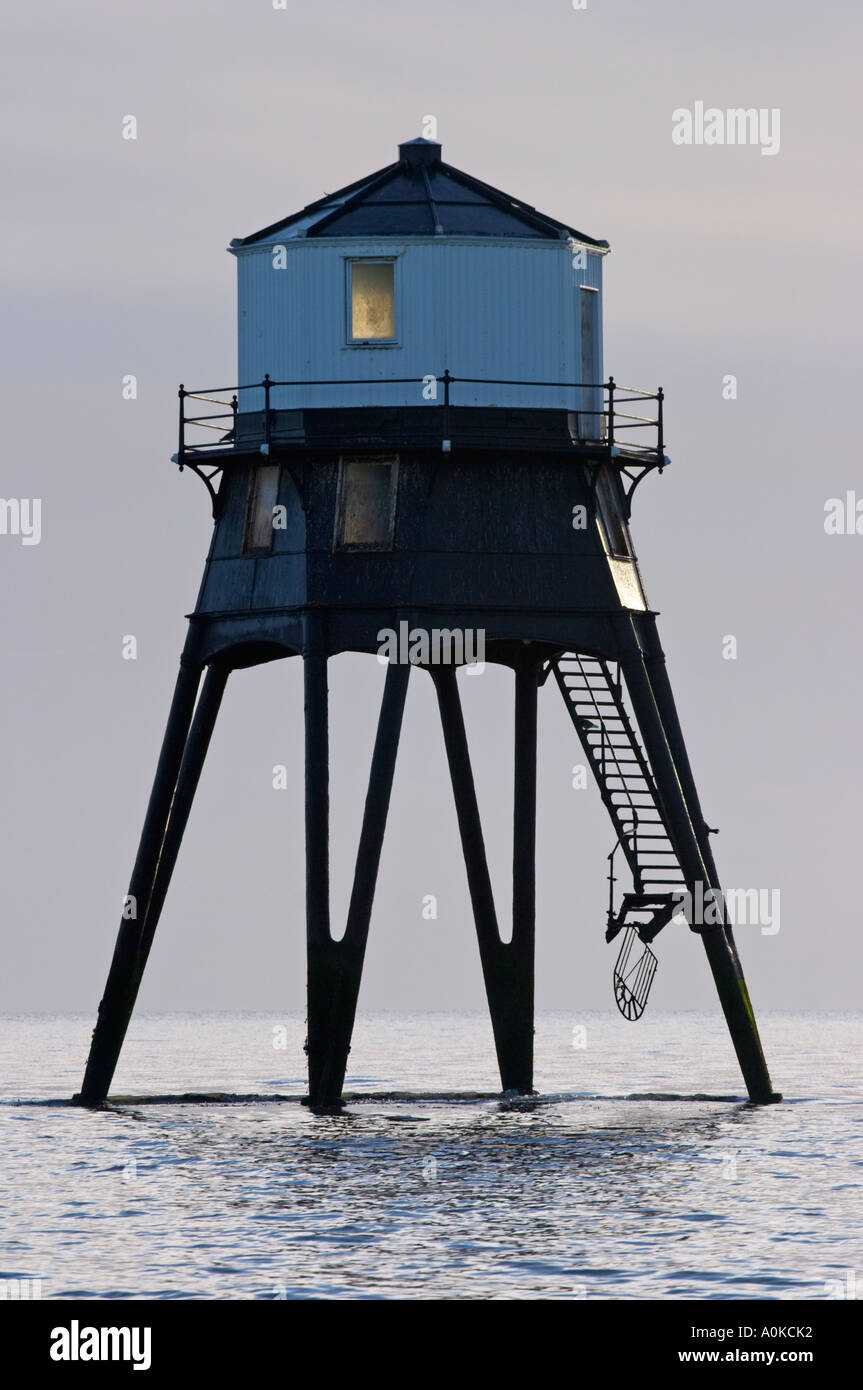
{"x": 600, "y": 421}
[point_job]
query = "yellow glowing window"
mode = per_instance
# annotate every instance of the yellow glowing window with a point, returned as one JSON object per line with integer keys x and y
{"x": 372, "y": 301}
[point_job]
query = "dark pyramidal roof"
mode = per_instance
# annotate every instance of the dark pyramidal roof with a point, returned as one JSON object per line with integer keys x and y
{"x": 419, "y": 195}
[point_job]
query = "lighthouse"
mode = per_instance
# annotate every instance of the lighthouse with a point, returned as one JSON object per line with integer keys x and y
{"x": 423, "y": 460}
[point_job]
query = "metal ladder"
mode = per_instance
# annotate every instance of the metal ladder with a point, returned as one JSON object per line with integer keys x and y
{"x": 593, "y": 692}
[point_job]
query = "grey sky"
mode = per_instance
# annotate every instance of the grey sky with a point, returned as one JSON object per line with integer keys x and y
{"x": 724, "y": 261}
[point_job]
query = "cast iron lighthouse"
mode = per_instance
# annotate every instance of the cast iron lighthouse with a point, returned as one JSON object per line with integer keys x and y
{"x": 422, "y": 442}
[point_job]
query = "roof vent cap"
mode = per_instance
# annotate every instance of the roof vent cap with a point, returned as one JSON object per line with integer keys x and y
{"x": 419, "y": 153}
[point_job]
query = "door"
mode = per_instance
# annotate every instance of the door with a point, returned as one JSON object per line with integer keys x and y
{"x": 591, "y": 423}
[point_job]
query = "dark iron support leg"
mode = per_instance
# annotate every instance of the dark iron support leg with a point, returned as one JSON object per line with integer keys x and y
{"x": 197, "y": 746}
{"x": 129, "y": 956}
{"x": 507, "y": 967}
{"x": 319, "y": 943}
{"x": 654, "y": 663}
{"x": 520, "y": 952}
{"x": 335, "y": 967}
{"x": 655, "y": 711}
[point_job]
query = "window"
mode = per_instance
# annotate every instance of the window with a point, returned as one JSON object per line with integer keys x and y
{"x": 609, "y": 510}
{"x": 263, "y": 496}
{"x": 365, "y": 507}
{"x": 371, "y": 301}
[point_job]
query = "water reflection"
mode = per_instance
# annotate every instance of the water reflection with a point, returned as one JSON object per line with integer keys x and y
{"x": 434, "y": 1193}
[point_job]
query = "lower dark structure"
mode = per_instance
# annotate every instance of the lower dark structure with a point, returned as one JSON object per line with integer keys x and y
{"x": 319, "y": 549}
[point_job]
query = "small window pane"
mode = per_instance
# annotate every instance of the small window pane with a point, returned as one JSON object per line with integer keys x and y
{"x": 365, "y": 504}
{"x": 372, "y": 299}
{"x": 263, "y": 496}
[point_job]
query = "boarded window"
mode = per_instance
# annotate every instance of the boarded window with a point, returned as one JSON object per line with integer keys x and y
{"x": 609, "y": 507}
{"x": 365, "y": 509}
{"x": 372, "y": 295}
{"x": 263, "y": 497}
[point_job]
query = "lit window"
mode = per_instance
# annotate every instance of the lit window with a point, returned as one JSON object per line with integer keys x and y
{"x": 372, "y": 301}
{"x": 263, "y": 496}
{"x": 365, "y": 509}
{"x": 609, "y": 507}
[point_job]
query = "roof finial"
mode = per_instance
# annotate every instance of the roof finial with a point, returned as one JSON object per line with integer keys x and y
{"x": 419, "y": 153}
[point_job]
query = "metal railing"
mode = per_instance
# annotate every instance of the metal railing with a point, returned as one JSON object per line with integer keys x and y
{"x": 610, "y": 422}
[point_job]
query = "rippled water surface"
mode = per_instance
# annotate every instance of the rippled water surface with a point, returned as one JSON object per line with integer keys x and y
{"x": 637, "y": 1172}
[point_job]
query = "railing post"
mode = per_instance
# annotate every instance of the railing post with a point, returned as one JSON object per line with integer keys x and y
{"x": 660, "y": 442}
{"x": 610, "y": 413}
{"x": 234, "y": 408}
{"x": 267, "y": 385}
{"x": 446, "y": 381}
{"x": 182, "y": 394}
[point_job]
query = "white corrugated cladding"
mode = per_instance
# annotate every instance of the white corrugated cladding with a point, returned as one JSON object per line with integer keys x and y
{"x": 487, "y": 307}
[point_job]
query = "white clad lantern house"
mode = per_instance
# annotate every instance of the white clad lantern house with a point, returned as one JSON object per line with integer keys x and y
{"x": 416, "y": 267}
{"x": 422, "y": 441}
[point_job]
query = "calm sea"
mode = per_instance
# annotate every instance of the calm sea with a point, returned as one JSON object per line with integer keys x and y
{"x": 638, "y": 1172}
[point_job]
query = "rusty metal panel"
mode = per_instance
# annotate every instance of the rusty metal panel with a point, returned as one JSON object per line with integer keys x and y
{"x": 227, "y": 585}
{"x": 280, "y": 582}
